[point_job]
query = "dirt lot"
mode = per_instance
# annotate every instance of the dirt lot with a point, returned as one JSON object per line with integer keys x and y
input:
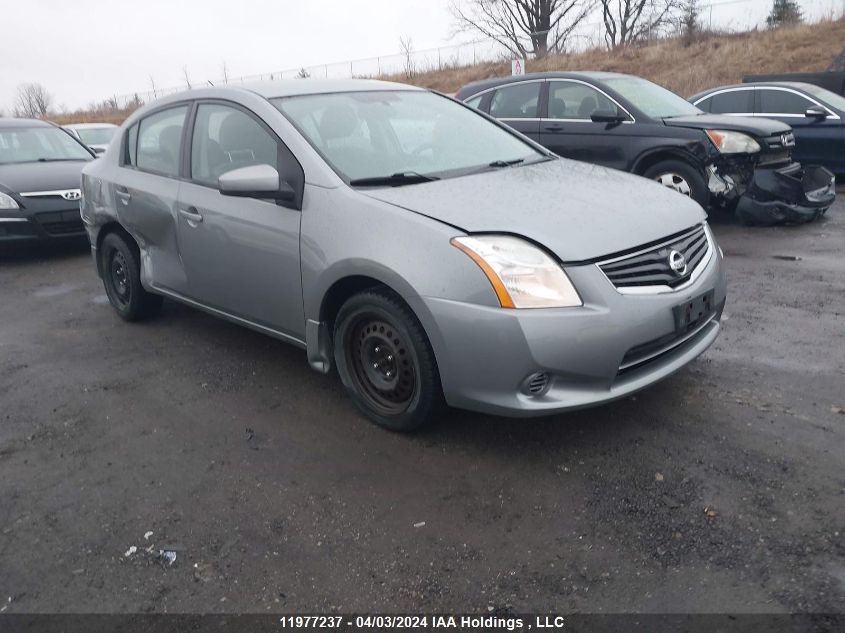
{"x": 720, "y": 489}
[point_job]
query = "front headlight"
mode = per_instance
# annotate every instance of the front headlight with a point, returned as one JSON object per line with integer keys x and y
{"x": 7, "y": 201}
{"x": 728, "y": 142}
{"x": 522, "y": 275}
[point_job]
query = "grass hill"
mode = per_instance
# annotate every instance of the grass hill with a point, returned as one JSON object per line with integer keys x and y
{"x": 684, "y": 66}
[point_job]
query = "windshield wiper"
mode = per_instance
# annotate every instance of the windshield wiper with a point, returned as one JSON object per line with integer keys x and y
{"x": 506, "y": 163}
{"x": 394, "y": 180}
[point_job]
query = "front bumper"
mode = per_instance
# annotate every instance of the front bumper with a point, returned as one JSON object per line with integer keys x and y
{"x": 791, "y": 194}
{"x": 34, "y": 226}
{"x": 612, "y": 346}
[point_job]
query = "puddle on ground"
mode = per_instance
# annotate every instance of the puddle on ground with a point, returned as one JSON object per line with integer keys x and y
{"x": 54, "y": 291}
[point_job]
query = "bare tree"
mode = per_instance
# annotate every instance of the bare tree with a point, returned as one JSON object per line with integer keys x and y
{"x": 153, "y": 85}
{"x": 690, "y": 24}
{"x": 302, "y": 74}
{"x": 187, "y": 78}
{"x": 407, "y": 46}
{"x": 626, "y": 21}
{"x": 33, "y": 101}
{"x": 225, "y": 73}
{"x": 524, "y": 27}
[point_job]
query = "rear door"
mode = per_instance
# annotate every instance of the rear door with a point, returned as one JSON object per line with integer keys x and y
{"x": 241, "y": 254}
{"x": 817, "y": 141}
{"x": 146, "y": 190}
{"x": 518, "y": 105}
{"x": 568, "y": 131}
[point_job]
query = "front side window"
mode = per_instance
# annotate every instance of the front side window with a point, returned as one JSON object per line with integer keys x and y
{"x": 649, "y": 98}
{"x": 39, "y": 144}
{"x": 783, "y": 102}
{"x": 826, "y": 96}
{"x": 475, "y": 102}
{"x": 160, "y": 140}
{"x": 573, "y": 100}
{"x": 227, "y": 138}
{"x": 518, "y": 101}
{"x": 377, "y": 134}
{"x": 730, "y": 102}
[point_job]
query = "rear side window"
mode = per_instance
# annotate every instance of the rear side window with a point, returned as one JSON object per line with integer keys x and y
{"x": 783, "y": 102}
{"x": 518, "y": 101}
{"x": 160, "y": 140}
{"x": 731, "y": 102}
{"x": 227, "y": 138}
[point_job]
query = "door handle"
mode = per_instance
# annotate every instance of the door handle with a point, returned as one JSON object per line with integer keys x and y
{"x": 553, "y": 127}
{"x": 123, "y": 194}
{"x": 191, "y": 214}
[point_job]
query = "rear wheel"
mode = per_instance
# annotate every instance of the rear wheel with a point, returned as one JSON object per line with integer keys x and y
{"x": 681, "y": 177}
{"x": 121, "y": 270}
{"x": 386, "y": 362}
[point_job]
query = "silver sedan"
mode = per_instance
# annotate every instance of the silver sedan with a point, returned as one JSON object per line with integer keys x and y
{"x": 430, "y": 254}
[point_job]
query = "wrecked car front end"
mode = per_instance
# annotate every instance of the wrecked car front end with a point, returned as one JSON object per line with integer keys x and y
{"x": 767, "y": 187}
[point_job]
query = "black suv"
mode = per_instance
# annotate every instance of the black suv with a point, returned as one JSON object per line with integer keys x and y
{"x": 634, "y": 125}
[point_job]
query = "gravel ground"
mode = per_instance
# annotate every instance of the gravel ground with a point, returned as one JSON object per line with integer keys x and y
{"x": 719, "y": 489}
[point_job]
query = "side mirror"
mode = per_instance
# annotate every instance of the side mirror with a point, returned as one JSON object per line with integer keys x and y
{"x": 255, "y": 181}
{"x": 815, "y": 112}
{"x": 607, "y": 116}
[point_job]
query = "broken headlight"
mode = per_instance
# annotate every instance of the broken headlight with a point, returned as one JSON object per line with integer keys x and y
{"x": 728, "y": 142}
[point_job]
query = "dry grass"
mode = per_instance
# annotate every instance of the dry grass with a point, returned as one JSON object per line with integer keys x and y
{"x": 92, "y": 116}
{"x": 683, "y": 67}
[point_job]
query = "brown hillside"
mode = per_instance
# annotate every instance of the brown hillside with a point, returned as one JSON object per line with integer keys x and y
{"x": 683, "y": 67}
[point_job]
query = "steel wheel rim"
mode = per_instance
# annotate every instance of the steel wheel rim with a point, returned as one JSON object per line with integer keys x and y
{"x": 381, "y": 364}
{"x": 121, "y": 288}
{"x": 676, "y": 182}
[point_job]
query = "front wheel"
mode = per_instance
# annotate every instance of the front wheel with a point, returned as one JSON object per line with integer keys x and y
{"x": 681, "y": 177}
{"x": 385, "y": 361}
{"x": 121, "y": 269}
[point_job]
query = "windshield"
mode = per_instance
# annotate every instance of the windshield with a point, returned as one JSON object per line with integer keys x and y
{"x": 652, "y": 100}
{"x": 826, "y": 96}
{"x": 374, "y": 135}
{"x": 96, "y": 135}
{"x": 32, "y": 144}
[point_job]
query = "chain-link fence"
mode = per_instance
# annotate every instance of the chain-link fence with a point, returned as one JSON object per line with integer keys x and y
{"x": 721, "y": 15}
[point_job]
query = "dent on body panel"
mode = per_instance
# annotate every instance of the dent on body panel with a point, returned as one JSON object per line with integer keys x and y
{"x": 347, "y": 233}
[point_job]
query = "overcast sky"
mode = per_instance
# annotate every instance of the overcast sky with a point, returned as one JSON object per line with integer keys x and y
{"x": 86, "y": 50}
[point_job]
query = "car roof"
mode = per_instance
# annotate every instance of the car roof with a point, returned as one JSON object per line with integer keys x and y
{"x": 13, "y": 123}
{"x": 88, "y": 126}
{"x": 294, "y": 87}
{"x": 796, "y": 85}
{"x": 595, "y": 75}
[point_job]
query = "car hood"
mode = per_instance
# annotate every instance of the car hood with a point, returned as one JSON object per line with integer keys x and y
{"x": 577, "y": 210}
{"x": 23, "y": 177}
{"x": 753, "y": 126}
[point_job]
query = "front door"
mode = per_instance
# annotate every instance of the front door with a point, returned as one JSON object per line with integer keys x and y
{"x": 241, "y": 254}
{"x": 568, "y": 130}
{"x": 818, "y": 141}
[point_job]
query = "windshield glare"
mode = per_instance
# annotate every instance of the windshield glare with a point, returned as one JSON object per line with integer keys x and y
{"x": 652, "y": 100}
{"x": 96, "y": 135}
{"x": 381, "y": 133}
{"x": 826, "y": 96}
{"x": 30, "y": 144}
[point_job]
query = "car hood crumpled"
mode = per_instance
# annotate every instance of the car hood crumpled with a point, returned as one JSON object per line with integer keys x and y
{"x": 577, "y": 210}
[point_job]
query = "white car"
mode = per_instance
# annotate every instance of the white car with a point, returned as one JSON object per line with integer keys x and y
{"x": 97, "y": 136}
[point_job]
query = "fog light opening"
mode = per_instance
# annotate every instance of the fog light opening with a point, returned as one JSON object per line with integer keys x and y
{"x": 537, "y": 384}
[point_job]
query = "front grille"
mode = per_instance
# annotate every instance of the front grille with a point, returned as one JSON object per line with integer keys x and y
{"x": 61, "y": 222}
{"x": 652, "y": 267}
{"x": 780, "y": 141}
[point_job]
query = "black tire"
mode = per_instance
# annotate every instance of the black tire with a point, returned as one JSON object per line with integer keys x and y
{"x": 689, "y": 177}
{"x": 385, "y": 361}
{"x": 120, "y": 264}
